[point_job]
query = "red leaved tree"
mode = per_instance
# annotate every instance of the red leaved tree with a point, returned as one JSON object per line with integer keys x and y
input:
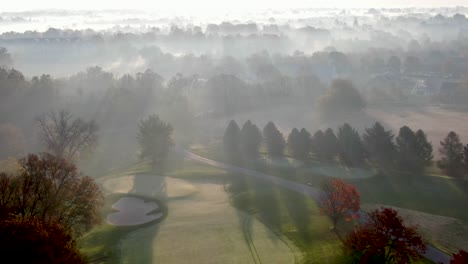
{"x": 51, "y": 189}
{"x": 339, "y": 201}
{"x": 384, "y": 239}
{"x": 30, "y": 240}
{"x": 460, "y": 258}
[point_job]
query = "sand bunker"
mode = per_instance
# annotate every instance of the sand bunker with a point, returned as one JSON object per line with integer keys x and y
{"x": 133, "y": 211}
{"x": 150, "y": 185}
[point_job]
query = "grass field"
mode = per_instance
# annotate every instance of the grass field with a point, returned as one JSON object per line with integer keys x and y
{"x": 201, "y": 225}
{"x": 433, "y": 194}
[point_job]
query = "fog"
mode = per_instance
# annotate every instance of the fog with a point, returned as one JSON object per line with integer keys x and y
{"x": 203, "y": 71}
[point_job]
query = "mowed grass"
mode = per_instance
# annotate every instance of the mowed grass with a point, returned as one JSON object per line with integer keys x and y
{"x": 200, "y": 228}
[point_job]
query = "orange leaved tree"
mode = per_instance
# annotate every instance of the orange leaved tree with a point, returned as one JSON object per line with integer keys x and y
{"x": 339, "y": 201}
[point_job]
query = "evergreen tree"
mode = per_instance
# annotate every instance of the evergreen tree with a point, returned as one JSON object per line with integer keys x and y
{"x": 294, "y": 143}
{"x": 329, "y": 145}
{"x": 352, "y": 151}
{"x": 317, "y": 143}
{"x": 424, "y": 148}
{"x": 379, "y": 144}
{"x": 251, "y": 139}
{"x": 465, "y": 157}
{"x": 232, "y": 140}
{"x": 299, "y": 143}
{"x": 274, "y": 140}
{"x": 407, "y": 147}
{"x": 452, "y": 155}
{"x": 306, "y": 143}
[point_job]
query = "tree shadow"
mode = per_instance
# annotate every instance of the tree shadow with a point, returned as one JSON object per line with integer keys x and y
{"x": 150, "y": 186}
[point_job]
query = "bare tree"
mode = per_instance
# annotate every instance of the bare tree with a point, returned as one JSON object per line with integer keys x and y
{"x": 65, "y": 136}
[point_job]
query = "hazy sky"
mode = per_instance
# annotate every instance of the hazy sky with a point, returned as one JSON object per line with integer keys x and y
{"x": 224, "y": 5}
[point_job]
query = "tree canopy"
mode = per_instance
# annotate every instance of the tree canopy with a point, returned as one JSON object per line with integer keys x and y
{"x": 451, "y": 150}
{"x": 352, "y": 151}
{"x": 30, "y": 240}
{"x": 251, "y": 139}
{"x": 340, "y": 100}
{"x": 274, "y": 140}
{"x": 384, "y": 238}
{"x": 51, "y": 189}
{"x": 379, "y": 144}
{"x": 65, "y": 136}
{"x": 339, "y": 201}
{"x": 155, "y": 139}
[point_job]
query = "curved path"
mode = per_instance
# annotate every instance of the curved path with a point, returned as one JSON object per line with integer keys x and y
{"x": 431, "y": 253}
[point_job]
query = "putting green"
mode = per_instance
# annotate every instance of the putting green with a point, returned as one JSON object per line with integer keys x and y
{"x": 150, "y": 185}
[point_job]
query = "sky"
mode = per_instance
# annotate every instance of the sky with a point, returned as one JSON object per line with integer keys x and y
{"x": 222, "y": 5}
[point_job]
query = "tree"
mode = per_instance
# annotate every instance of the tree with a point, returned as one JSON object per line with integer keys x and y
{"x": 352, "y": 150}
{"x": 65, "y": 136}
{"x": 384, "y": 239}
{"x": 12, "y": 141}
{"x": 294, "y": 143}
{"x": 317, "y": 143}
{"x": 460, "y": 258}
{"x": 339, "y": 201}
{"x": 51, "y": 189}
{"x": 5, "y": 58}
{"x": 465, "y": 157}
{"x": 451, "y": 150}
{"x": 299, "y": 143}
{"x": 30, "y": 240}
{"x": 379, "y": 144}
{"x": 251, "y": 139}
{"x": 340, "y": 100}
{"x": 232, "y": 140}
{"x": 408, "y": 150}
{"x": 330, "y": 146}
{"x": 274, "y": 140}
{"x": 424, "y": 148}
{"x": 155, "y": 139}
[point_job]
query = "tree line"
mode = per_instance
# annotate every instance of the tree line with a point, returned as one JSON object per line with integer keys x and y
{"x": 409, "y": 150}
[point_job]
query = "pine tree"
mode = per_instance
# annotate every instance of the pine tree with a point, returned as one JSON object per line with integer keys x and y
{"x": 452, "y": 155}
{"x": 251, "y": 139}
{"x": 352, "y": 151}
{"x": 329, "y": 145}
{"x": 294, "y": 143}
{"x": 317, "y": 143}
{"x": 232, "y": 140}
{"x": 299, "y": 143}
{"x": 379, "y": 144}
{"x": 465, "y": 157}
{"x": 407, "y": 146}
{"x": 424, "y": 148}
{"x": 274, "y": 140}
{"x": 306, "y": 143}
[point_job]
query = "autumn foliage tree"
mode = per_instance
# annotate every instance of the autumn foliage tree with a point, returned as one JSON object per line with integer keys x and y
{"x": 51, "y": 189}
{"x": 30, "y": 240}
{"x": 339, "y": 201}
{"x": 460, "y": 258}
{"x": 384, "y": 239}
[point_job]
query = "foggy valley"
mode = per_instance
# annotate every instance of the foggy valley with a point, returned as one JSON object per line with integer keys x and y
{"x": 303, "y": 134}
